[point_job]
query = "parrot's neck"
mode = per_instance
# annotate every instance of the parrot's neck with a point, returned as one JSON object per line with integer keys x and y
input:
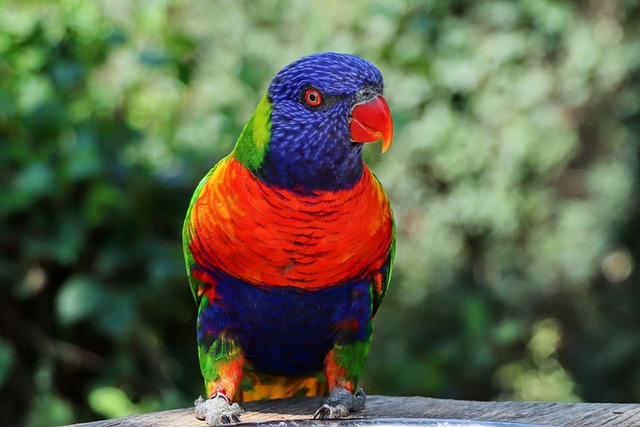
{"x": 320, "y": 157}
{"x": 308, "y": 175}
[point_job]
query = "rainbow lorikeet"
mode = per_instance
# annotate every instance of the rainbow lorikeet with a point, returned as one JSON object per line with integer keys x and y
{"x": 289, "y": 243}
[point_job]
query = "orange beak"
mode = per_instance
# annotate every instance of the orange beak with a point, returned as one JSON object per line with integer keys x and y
{"x": 371, "y": 121}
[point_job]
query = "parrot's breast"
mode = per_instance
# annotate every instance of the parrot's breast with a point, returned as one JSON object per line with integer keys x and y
{"x": 269, "y": 236}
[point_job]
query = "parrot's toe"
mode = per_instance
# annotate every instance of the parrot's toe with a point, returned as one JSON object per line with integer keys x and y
{"x": 217, "y": 410}
{"x": 340, "y": 402}
{"x": 328, "y": 411}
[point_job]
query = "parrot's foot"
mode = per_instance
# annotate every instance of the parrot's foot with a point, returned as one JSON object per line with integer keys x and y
{"x": 339, "y": 402}
{"x": 218, "y": 410}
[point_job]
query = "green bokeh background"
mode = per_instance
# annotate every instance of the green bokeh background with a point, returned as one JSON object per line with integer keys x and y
{"x": 513, "y": 175}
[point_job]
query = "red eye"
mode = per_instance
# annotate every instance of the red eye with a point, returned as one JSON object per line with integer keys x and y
{"x": 313, "y": 97}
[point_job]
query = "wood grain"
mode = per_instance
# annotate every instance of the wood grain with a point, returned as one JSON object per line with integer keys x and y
{"x": 545, "y": 413}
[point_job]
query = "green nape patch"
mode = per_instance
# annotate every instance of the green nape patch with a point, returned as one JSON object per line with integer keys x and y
{"x": 254, "y": 139}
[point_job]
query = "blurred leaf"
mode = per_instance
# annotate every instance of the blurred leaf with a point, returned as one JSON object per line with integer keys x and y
{"x": 111, "y": 402}
{"x": 50, "y": 410}
{"x": 35, "y": 180}
{"x": 7, "y": 359}
{"x": 103, "y": 203}
{"x": 79, "y": 298}
{"x": 540, "y": 378}
{"x": 118, "y": 319}
{"x": 508, "y": 332}
{"x": 34, "y": 91}
{"x": 83, "y": 158}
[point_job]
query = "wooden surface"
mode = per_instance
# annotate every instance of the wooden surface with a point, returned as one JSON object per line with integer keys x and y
{"x": 557, "y": 414}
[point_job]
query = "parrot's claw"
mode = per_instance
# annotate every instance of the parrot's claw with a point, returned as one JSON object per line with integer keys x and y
{"x": 217, "y": 410}
{"x": 340, "y": 402}
{"x": 328, "y": 411}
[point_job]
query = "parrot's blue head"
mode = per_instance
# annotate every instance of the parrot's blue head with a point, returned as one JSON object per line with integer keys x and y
{"x": 324, "y": 106}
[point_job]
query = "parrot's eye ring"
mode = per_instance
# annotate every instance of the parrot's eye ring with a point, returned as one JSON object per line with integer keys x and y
{"x": 312, "y": 97}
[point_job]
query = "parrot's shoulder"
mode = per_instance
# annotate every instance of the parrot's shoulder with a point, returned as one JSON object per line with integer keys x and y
{"x": 191, "y": 219}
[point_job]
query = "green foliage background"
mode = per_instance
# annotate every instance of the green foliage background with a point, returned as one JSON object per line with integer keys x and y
{"x": 513, "y": 175}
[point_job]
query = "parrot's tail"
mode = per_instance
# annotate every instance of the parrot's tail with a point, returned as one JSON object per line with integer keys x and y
{"x": 276, "y": 387}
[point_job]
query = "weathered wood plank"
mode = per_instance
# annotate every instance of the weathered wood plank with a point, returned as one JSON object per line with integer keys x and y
{"x": 558, "y": 414}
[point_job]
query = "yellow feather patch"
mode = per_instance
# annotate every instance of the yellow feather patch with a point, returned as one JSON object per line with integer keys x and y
{"x": 261, "y": 124}
{"x": 260, "y": 386}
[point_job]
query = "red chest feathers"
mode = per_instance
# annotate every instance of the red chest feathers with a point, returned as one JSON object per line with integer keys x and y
{"x": 274, "y": 237}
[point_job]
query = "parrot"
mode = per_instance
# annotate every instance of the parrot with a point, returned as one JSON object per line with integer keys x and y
{"x": 289, "y": 243}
